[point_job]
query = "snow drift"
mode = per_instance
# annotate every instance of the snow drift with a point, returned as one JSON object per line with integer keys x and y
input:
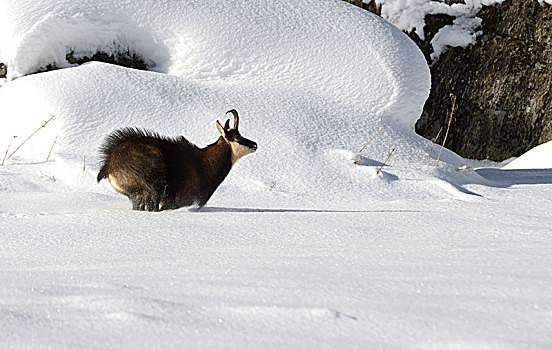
{"x": 304, "y": 89}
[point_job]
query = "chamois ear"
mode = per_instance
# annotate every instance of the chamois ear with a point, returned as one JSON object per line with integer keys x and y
{"x": 221, "y": 129}
{"x": 227, "y": 125}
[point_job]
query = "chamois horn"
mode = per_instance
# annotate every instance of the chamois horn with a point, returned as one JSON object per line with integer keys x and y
{"x": 236, "y": 118}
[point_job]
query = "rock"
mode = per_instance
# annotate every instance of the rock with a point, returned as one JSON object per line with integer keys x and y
{"x": 502, "y": 85}
{"x": 434, "y": 22}
{"x": 124, "y": 58}
{"x": 3, "y": 70}
{"x": 501, "y": 82}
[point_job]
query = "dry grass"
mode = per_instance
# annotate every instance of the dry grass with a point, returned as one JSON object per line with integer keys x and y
{"x": 7, "y": 150}
{"x": 386, "y": 159}
{"x": 434, "y": 141}
{"x": 51, "y": 148}
{"x": 366, "y": 144}
{"x": 448, "y": 127}
{"x": 27, "y": 139}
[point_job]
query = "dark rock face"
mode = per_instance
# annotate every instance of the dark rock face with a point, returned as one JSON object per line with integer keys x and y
{"x": 502, "y": 84}
{"x": 434, "y": 22}
{"x": 124, "y": 58}
{"x": 370, "y": 6}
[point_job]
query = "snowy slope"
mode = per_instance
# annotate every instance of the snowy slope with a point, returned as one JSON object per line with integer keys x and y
{"x": 308, "y": 109}
{"x": 299, "y": 247}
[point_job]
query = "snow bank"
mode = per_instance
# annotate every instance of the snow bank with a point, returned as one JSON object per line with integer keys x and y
{"x": 312, "y": 82}
{"x": 539, "y": 157}
{"x": 40, "y": 33}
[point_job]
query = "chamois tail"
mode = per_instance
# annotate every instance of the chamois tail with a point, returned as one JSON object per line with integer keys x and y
{"x": 102, "y": 174}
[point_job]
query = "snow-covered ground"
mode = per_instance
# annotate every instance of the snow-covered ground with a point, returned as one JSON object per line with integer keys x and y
{"x": 299, "y": 247}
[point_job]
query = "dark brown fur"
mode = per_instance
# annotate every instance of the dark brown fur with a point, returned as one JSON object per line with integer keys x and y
{"x": 158, "y": 173}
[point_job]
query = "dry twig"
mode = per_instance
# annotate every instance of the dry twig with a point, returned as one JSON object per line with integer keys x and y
{"x": 448, "y": 127}
{"x": 366, "y": 144}
{"x": 386, "y": 159}
{"x": 7, "y": 150}
{"x": 50, "y": 153}
{"x": 434, "y": 141}
{"x": 27, "y": 139}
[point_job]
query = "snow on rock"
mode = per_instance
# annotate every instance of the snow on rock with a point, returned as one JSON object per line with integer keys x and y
{"x": 460, "y": 33}
{"x": 409, "y": 15}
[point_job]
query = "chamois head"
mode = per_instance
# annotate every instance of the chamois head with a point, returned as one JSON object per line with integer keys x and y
{"x": 240, "y": 145}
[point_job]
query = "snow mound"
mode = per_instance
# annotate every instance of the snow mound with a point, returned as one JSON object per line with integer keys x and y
{"x": 312, "y": 81}
{"x": 41, "y": 33}
{"x": 539, "y": 157}
{"x": 50, "y": 40}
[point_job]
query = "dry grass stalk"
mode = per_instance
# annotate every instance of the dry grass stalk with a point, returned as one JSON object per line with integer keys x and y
{"x": 386, "y": 159}
{"x": 448, "y": 128}
{"x": 27, "y": 139}
{"x": 7, "y": 150}
{"x": 50, "y": 153}
{"x": 84, "y": 163}
{"x": 366, "y": 144}
{"x": 434, "y": 141}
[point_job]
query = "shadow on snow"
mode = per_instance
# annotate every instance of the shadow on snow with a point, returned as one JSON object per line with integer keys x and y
{"x": 270, "y": 210}
{"x": 509, "y": 177}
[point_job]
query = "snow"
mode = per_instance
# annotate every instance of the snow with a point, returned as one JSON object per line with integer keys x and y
{"x": 539, "y": 157}
{"x": 299, "y": 247}
{"x": 460, "y": 34}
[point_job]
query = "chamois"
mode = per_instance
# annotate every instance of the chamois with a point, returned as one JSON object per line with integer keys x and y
{"x": 159, "y": 173}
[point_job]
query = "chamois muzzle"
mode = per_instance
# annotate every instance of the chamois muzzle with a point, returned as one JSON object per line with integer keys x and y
{"x": 252, "y": 145}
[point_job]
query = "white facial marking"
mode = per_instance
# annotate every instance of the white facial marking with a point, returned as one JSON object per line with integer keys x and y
{"x": 239, "y": 151}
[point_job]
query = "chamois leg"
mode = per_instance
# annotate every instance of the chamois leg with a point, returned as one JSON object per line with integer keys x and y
{"x": 138, "y": 202}
{"x": 152, "y": 202}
